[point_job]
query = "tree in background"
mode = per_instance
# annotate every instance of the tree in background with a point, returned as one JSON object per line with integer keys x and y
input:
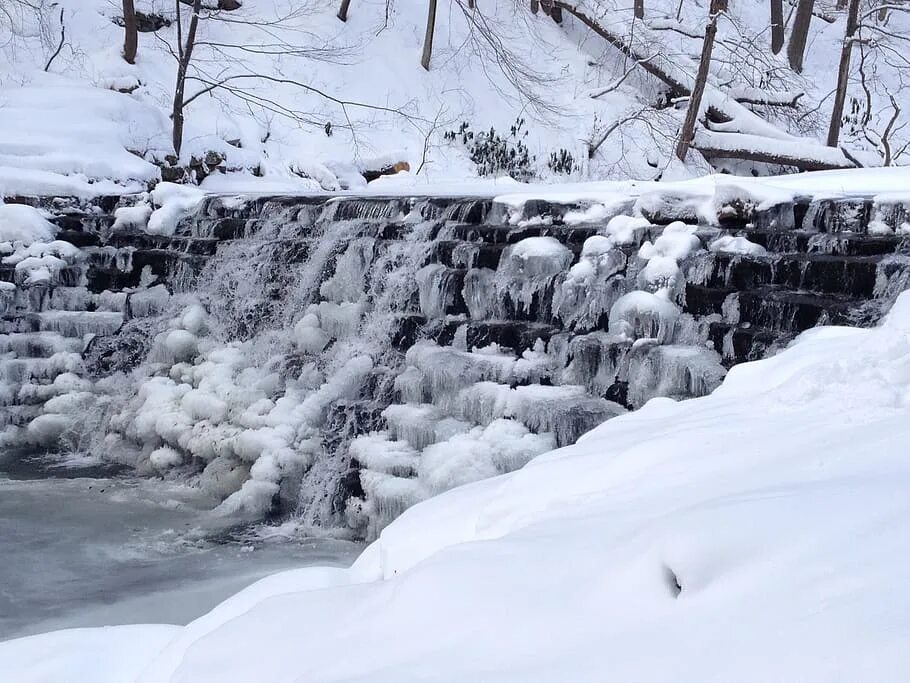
{"x": 777, "y": 26}
{"x": 687, "y": 131}
{"x": 867, "y": 111}
{"x": 30, "y": 21}
{"x": 184, "y": 55}
{"x": 130, "y": 32}
{"x": 796, "y": 48}
{"x": 428, "y": 36}
{"x": 843, "y": 73}
{"x": 343, "y": 10}
{"x": 235, "y": 77}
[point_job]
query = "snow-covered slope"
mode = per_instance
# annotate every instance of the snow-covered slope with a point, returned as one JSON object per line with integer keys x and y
{"x": 338, "y": 97}
{"x": 759, "y": 533}
{"x": 371, "y": 62}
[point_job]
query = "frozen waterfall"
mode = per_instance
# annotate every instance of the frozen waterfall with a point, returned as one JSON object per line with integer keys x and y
{"x": 333, "y": 361}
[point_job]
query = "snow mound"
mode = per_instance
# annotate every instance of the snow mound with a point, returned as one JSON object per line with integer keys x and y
{"x": 737, "y": 245}
{"x": 97, "y": 146}
{"x": 24, "y": 224}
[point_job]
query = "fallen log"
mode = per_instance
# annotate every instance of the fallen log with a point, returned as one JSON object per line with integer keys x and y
{"x": 802, "y": 154}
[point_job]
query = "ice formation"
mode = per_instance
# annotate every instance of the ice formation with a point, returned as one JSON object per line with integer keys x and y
{"x": 337, "y": 361}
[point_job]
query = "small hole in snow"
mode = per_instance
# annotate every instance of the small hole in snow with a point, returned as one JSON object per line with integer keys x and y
{"x": 672, "y": 581}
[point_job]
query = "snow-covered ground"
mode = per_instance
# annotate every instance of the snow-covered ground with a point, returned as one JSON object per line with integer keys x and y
{"x": 90, "y": 123}
{"x": 759, "y": 533}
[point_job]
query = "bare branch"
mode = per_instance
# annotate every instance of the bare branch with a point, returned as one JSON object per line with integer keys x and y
{"x": 60, "y": 44}
{"x": 287, "y": 81}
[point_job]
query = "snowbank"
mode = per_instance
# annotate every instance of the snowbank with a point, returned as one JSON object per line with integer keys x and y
{"x": 756, "y": 534}
{"x": 24, "y": 224}
{"x": 124, "y": 650}
{"x": 96, "y": 146}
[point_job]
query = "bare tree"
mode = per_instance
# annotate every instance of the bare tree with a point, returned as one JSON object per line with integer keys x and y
{"x": 843, "y": 73}
{"x": 130, "y": 32}
{"x": 777, "y": 26}
{"x": 428, "y": 36}
{"x": 184, "y": 55}
{"x": 796, "y": 48}
{"x": 701, "y": 80}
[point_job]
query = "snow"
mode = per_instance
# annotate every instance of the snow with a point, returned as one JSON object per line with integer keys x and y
{"x": 684, "y": 541}
{"x": 40, "y": 261}
{"x": 308, "y": 335}
{"x": 84, "y": 151}
{"x": 737, "y": 245}
{"x": 124, "y": 650}
{"x": 131, "y": 217}
{"x": 879, "y": 228}
{"x": 676, "y": 242}
{"x": 173, "y": 203}
{"x": 539, "y": 256}
{"x": 164, "y": 458}
{"x": 24, "y": 224}
{"x": 280, "y": 137}
{"x": 644, "y": 315}
{"x": 181, "y": 345}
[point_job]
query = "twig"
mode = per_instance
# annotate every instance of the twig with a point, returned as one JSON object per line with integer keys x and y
{"x": 60, "y": 46}
{"x": 210, "y": 85}
{"x": 619, "y": 81}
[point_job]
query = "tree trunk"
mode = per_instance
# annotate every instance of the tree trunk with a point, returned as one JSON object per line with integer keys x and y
{"x": 185, "y": 53}
{"x": 428, "y": 37}
{"x": 796, "y": 49}
{"x": 777, "y": 26}
{"x": 343, "y": 10}
{"x": 843, "y": 73}
{"x": 701, "y": 80}
{"x": 130, "y": 32}
{"x": 535, "y": 6}
{"x": 639, "y": 9}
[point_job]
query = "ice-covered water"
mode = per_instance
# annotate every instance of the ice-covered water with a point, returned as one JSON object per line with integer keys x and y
{"x": 81, "y": 545}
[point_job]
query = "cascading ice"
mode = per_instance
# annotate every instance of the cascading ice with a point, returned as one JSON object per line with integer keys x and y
{"x": 334, "y": 362}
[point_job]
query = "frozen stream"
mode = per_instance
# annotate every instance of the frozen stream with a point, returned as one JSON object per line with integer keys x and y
{"x": 80, "y": 546}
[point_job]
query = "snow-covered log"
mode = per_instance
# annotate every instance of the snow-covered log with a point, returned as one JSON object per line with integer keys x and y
{"x": 803, "y": 154}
